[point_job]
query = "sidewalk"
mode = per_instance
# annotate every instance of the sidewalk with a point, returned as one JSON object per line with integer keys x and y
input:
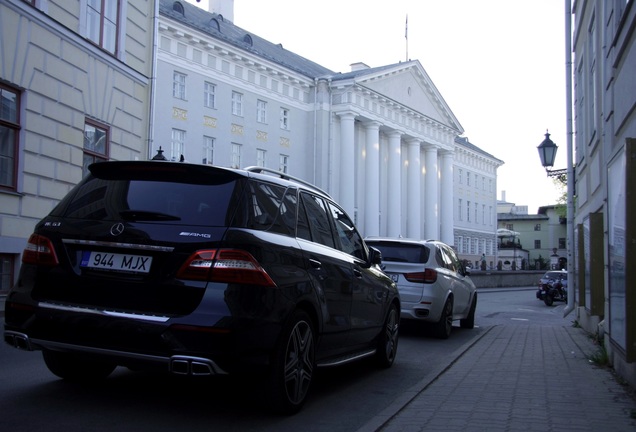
{"x": 516, "y": 378}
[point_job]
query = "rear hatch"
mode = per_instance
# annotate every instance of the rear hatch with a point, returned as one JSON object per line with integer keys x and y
{"x": 405, "y": 264}
{"x": 123, "y": 234}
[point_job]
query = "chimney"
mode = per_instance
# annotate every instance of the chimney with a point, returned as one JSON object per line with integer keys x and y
{"x": 222, "y": 7}
{"x": 358, "y": 66}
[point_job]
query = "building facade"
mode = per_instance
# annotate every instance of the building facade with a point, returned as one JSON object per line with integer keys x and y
{"x": 74, "y": 89}
{"x": 381, "y": 140}
{"x": 540, "y": 240}
{"x": 604, "y": 243}
{"x": 475, "y": 202}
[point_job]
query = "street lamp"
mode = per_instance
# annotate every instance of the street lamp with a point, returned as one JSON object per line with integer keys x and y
{"x": 547, "y": 153}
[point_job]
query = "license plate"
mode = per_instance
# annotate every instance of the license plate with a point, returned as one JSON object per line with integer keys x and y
{"x": 116, "y": 262}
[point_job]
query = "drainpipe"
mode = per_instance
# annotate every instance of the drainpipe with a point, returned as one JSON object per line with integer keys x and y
{"x": 153, "y": 79}
{"x": 570, "y": 170}
{"x": 315, "y": 126}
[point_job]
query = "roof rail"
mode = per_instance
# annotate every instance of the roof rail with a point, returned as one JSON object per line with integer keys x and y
{"x": 260, "y": 169}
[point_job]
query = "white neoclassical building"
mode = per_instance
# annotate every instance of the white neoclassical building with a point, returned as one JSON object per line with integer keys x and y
{"x": 381, "y": 140}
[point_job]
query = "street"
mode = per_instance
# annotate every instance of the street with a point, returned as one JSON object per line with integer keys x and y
{"x": 342, "y": 399}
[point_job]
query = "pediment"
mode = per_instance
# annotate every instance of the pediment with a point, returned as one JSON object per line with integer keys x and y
{"x": 409, "y": 85}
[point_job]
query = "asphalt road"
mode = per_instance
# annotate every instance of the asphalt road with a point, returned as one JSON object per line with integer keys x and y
{"x": 342, "y": 399}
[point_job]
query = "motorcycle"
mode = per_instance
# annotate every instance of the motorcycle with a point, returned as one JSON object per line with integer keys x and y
{"x": 551, "y": 291}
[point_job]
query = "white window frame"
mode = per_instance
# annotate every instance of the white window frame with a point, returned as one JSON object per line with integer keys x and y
{"x": 237, "y": 103}
{"x": 209, "y": 94}
{"x": 283, "y": 163}
{"x": 179, "y": 85}
{"x": 260, "y": 157}
{"x": 208, "y": 150}
{"x": 284, "y": 118}
{"x": 235, "y": 161}
{"x": 261, "y": 111}
{"x": 177, "y": 144}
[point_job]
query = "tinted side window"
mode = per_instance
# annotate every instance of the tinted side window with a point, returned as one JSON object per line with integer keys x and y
{"x": 318, "y": 220}
{"x": 453, "y": 261}
{"x": 267, "y": 207}
{"x": 349, "y": 239}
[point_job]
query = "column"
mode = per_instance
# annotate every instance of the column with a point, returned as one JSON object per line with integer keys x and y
{"x": 347, "y": 163}
{"x": 431, "y": 181}
{"x": 372, "y": 180}
{"x": 446, "y": 200}
{"x": 413, "y": 191}
{"x": 394, "y": 190}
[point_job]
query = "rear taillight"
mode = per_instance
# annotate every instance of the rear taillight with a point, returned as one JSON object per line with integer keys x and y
{"x": 225, "y": 265}
{"x": 39, "y": 250}
{"x": 427, "y": 276}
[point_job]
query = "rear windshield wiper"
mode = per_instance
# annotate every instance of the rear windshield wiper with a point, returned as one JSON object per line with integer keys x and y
{"x": 144, "y": 215}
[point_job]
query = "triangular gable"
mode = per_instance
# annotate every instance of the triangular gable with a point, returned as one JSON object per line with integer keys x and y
{"x": 409, "y": 85}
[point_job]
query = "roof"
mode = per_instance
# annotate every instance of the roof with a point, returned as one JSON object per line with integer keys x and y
{"x": 464, "y": 142}
{"x": 215, "y": 26}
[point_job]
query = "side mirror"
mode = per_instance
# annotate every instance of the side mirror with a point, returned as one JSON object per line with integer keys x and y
{"x": 375, "y": 256}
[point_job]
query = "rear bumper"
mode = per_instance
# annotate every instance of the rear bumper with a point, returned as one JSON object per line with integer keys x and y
{"x": 199, "y": 344}
{"x": 177, "y": 364}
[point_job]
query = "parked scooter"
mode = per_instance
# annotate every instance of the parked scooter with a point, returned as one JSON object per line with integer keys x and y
{"x": 552, "y": 291}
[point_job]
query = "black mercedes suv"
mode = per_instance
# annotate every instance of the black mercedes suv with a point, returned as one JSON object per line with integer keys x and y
{"x": 201, "y": 270}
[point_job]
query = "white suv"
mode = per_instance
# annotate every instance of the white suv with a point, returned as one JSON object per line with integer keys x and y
{"x": 434, "y": 285}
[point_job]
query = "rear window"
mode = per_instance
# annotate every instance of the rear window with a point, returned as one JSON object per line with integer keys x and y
{"x": 150, "y": 201}
{"x": 399, "y": 252}
{"x": 180, "y": 195}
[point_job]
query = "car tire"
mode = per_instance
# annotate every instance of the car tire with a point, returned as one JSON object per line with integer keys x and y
{"x": 77, "y": 367}
{"x": 388, "y": 338}
{"x": 469, "y": 321}
{"x": 442, "y": 328}
{"x": 293, "y": 365}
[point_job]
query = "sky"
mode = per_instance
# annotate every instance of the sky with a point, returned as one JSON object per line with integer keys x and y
{"x": 499, "y": 64}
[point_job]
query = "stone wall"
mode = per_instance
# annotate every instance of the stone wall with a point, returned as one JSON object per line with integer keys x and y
{"x": 503, "y": 279}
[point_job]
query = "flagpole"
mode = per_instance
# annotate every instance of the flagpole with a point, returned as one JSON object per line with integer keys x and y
{"x": 406, "y": 36}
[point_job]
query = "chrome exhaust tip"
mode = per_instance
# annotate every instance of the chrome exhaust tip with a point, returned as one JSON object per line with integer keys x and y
{"x": 194, "y": 366}
{"x": 18, "y": 340}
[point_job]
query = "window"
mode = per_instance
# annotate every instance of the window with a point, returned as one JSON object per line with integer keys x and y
{"x": 96, "y": 141}
{"x": 313, "y": 221}
{"x": 283, "y": 163}
{"x": 473, "y": 246}
{"x": 468, "y": 211}
{"x": 6, "y": 272}
{"x": 537, "y": 244}
{"x": 284, "y": 118}
{"x": 236, "y": 156}
{"x": 349, "y": 240}
{"x": 179, "y": 85}
{"x": 237, "y": 103}
{"x": 483, "y": 213}
{"x": 208, "y": 151}
{"x": 209, "y": 91}
{"x": 102, "y": 23}
{"x": 459, "y": 174}
{"x": 260, "y": 157}
{"x": 460, "y": 211}
{"x": 561, "y": 242}
{"x": 467, "y": 179}
{"x": 537, "y": 227}
{"x": 9, "y": 132}
{"x": 261, "y": 111}
{"x": 177, "y": 144}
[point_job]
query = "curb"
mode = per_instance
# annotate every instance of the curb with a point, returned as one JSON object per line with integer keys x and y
{"x": 387, "y": 414}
